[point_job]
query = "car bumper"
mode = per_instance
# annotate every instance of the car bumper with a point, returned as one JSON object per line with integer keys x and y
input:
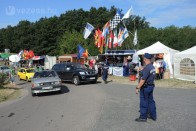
{"x": 45, "y": 89}
{"x": 88, "y": 78}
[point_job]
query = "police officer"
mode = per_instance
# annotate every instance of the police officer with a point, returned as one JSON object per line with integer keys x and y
{"x": 145, "y": 88}
{"x": 105, "y": 72}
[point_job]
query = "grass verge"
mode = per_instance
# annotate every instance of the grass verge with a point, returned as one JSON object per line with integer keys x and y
{"x": 9, "y": 93}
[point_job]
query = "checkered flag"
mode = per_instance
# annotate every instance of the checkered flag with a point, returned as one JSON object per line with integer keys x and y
{"x": 116, "y": 20}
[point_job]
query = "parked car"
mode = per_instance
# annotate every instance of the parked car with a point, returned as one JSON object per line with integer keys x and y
{"x": 45, "y": 81}
{"x": 75, "y": 72}
{"x": 26, "y": 73}
{"x": 5, "y": 69}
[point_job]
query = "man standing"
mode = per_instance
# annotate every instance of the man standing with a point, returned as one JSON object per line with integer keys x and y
{"x": 105, "y": 69}
{"x": 12, "y": 76}
{"x": 146, "y": 87}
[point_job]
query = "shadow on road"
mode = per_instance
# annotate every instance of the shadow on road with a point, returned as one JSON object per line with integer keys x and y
{"x": 23, "y": 83}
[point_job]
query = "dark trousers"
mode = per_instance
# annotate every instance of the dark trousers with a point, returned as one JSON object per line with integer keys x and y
{"x": 147, "y": 103}
{"x": 105, "y": 75}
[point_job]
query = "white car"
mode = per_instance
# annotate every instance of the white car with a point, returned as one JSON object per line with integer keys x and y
{"x": 45, "y": 81}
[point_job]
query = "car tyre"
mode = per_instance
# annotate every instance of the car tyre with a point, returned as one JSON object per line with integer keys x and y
{"x": 33, "y": 94}
{"x": 76, "y": 80}
{"x": 60, "y": 91}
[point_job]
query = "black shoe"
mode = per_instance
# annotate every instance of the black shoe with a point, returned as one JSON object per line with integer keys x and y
{"x": 105, "y": 82}
{"x": 140, "y": 120}
{"x": 154, "y": 119}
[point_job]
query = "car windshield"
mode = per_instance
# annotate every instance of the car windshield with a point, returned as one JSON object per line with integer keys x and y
{"x": 80, "y": 66}
{"x": 30, "y": 71}
{"x": 4, "y": 67}
{"x": 44, "y": 74}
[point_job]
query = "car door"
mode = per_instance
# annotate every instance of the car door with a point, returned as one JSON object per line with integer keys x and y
{"x": 68, "y": 72}
{"x": 62, "y": 72}
{"x": 22, "y": 74}
{"x": 57, "y": 69}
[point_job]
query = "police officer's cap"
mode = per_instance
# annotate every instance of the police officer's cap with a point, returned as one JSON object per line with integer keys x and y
{"x": 147, "y": 56}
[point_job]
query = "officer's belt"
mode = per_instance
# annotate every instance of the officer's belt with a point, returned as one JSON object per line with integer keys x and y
{"x": 147, "y": 84}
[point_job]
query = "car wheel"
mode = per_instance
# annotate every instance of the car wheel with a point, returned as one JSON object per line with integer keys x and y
{"x": 33, "y": 94}
{"x": 76, "y": 80}
{"x": 60, "y": 91}
{"x": 27, "y": 78}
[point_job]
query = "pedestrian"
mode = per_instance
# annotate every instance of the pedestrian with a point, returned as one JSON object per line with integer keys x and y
{"x": 146, "y": 87}
{"x": 105, "y": 69}
{"x": 12, "y": 76}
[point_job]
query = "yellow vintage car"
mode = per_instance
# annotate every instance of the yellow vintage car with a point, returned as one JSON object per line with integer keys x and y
{"x": 26, "y": 73}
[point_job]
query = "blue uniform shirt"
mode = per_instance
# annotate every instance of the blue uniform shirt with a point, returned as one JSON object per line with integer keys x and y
{"x": 148, "y": 74}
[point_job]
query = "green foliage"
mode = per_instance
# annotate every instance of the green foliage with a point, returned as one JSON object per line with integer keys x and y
{"x": 62, "y": 34}
{"x": 3, "y": 80}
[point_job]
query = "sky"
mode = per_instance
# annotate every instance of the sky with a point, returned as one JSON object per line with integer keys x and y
{"x": 160, "y": 13}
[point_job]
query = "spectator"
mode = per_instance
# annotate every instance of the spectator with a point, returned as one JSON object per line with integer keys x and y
{"x": 12, "y": 76}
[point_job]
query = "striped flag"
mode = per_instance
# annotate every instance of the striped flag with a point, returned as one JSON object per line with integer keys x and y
{"x": 88, "y": 29}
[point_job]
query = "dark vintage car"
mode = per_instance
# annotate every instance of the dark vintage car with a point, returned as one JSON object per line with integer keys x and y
{"x": 45, "y": 81}
{"x": 75, "y": 72}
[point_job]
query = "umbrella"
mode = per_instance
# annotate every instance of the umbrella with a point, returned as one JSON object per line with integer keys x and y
{"x": 14, "y": 58}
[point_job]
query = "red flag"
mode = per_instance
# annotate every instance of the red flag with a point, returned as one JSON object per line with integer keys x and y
{"x": 110, "y": 40}
{"x": 99, "y": 39}
{"x": 96, "y": 36}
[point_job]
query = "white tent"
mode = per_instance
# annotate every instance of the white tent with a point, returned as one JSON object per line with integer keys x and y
{"x": 184, "y": 64}
{"x": 158, "y": 48}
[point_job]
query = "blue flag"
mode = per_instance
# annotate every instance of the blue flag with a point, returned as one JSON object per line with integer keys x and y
{"x": 80, "y": 51}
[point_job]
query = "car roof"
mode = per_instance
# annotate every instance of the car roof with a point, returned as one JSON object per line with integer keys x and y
{"x": 69, "y": 63}
{"x": 26, "y": 68}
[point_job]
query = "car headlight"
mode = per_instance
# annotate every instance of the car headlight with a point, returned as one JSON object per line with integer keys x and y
{"x": 82, "y": 73}
{"x": 57, "y": 82}
{"x": 35, "y": 84}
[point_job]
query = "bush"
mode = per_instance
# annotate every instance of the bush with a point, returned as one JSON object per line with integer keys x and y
{"x": 4, "y": 79}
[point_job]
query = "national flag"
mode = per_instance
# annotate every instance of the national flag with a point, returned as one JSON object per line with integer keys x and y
{"x": 116, "y": 20}
{"x": 85, "y": 54}
{"x": 135, "y": 40}
{"x": 101, "y": 47}
{"x": 96, "y": 36}
{"x": 20, "y": 53}
{"x": 128, "y": 14}
{"x": 99, "y": 44}
{"x": 80, "y": 51}
{"x": 123, "y": 36}
{"x": 88, "y": 29}
{"x": 115, "y": 41}
{"x": 120, "y": 34}
{"x": 111, "y": 39}
{"x": 106, "y": 29}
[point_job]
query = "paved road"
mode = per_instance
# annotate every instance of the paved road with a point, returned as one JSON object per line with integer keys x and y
{"x": 98, "y": 107}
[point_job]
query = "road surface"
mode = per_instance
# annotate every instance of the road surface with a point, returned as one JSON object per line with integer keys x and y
{"x": 97, "y": 107}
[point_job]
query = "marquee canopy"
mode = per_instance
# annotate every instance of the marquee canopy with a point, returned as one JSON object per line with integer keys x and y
{"x": 184, "y": 64}
{"x": 159, "y": 48}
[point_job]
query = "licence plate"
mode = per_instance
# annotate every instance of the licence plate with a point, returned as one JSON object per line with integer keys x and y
{"x": 92, "y": 78}
{"x": 46, "y": 88}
